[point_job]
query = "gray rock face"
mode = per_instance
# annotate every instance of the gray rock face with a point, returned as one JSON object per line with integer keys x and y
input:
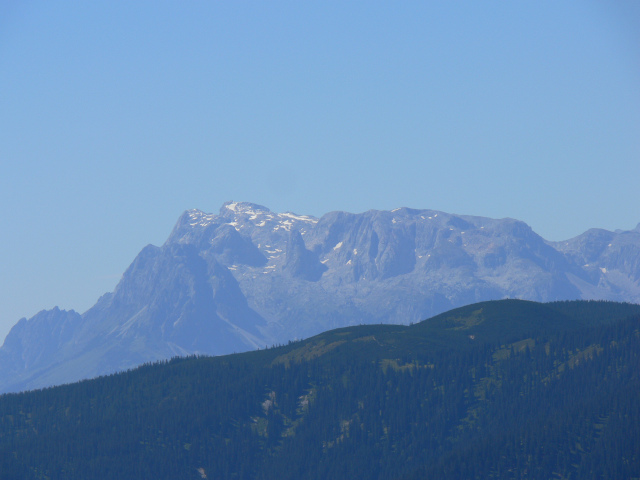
{"x": 608, "y": 261}
{"x": 249, "y": 277}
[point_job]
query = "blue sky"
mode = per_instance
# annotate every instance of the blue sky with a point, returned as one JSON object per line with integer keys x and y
{"x": 116, "y": 116}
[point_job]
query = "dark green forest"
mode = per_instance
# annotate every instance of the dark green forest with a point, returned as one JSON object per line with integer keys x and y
{"x": 505, "y": 389}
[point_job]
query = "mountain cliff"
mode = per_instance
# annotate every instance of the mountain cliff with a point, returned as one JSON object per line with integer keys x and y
{"x": 249, "y": 277}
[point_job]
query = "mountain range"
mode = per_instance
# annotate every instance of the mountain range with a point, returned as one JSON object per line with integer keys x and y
{"x": 248, "y": 278}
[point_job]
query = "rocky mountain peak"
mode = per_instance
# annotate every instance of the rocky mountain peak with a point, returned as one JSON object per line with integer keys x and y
{"x": 242, "y": 208}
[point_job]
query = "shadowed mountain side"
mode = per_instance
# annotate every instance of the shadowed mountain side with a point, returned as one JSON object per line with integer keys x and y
{"x": 170, "y": 302}
{"x": 300, "y": 262}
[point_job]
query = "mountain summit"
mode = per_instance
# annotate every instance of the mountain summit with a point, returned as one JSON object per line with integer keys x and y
{"x": 249, "y": 277}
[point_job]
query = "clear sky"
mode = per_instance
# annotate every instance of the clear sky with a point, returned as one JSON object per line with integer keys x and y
{"x": 116, "y": 116}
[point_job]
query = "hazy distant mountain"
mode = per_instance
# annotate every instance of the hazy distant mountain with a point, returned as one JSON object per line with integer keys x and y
{"x": 249, "y": 277}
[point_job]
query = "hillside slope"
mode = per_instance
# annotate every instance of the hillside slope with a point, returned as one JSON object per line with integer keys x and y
{"x": 506, "y": 389}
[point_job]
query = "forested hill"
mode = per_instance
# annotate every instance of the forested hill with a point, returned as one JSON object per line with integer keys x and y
{"x": 503, "y": 389}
